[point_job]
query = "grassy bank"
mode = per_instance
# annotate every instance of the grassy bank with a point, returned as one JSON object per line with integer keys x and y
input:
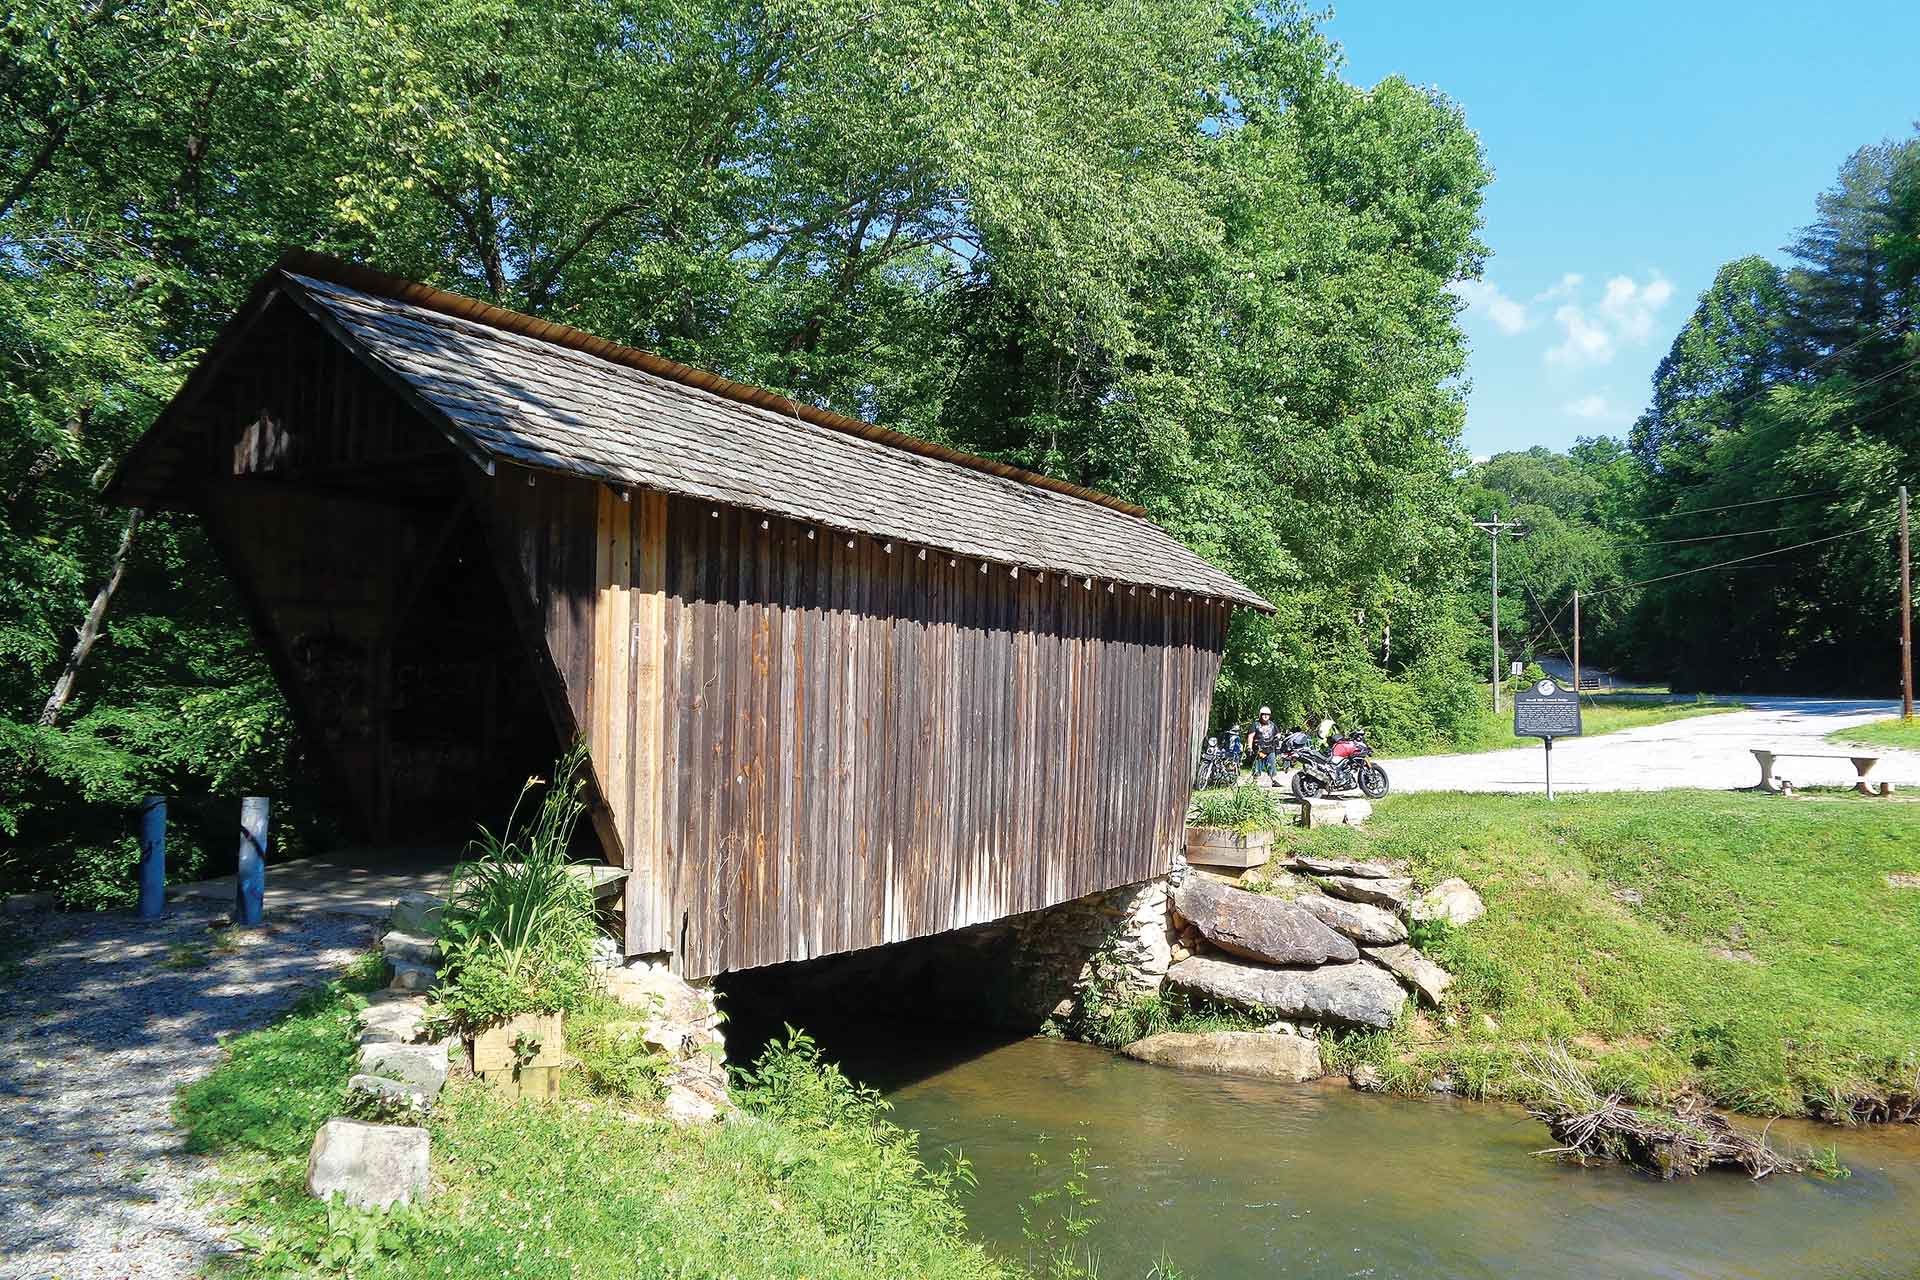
{"x": 1903, "y": 734}
{"x": 817, "y": 1184}
{"x": 1748, "y": 947}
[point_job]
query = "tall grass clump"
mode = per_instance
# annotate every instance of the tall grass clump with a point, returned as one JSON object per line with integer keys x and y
{"x": 517, "y": 934}
{"x": 1244, "y": 808}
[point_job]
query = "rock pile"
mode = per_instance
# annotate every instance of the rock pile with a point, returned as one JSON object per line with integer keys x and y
{"x": 1324, "y": 946}
{"x": 369, "y": 1163}
{"x": 680, "y": 1022}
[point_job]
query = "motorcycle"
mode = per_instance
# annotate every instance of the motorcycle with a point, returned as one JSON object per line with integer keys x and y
{"x": 1346, "y": 765}
{"x": 1219, "y": 766}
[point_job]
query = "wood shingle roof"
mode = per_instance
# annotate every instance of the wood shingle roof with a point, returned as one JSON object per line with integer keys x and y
{"x": 582, "y": 406}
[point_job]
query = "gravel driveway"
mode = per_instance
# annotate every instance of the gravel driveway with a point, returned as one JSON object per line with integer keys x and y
{"x": 99, "y": 1025}
{"x": 1706, "y": 751}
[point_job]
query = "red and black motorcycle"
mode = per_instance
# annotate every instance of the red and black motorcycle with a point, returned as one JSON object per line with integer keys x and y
{"x": 1346, "y": 765}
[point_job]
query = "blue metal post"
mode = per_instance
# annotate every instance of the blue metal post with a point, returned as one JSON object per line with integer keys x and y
{"x": 153, "y": 857}
{"x": 250, "y": 878}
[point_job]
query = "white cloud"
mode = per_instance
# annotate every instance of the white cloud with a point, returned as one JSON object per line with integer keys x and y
{"x": 1585, "y": 342}
{"x": 1628, "y": 312}
{"x": 1568, "y": 283}
{"x": 1632, "y": 307}
{"x": 1484, "y": 297}
{"x": 1589, "y": 407}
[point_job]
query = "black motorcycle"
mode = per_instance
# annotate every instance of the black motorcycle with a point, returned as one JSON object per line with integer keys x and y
{"x": 1346, "y": 765}
{"x": 1219, "y": 766}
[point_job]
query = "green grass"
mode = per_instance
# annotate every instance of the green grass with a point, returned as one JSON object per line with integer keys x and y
{"x": 1830, "y": 1012}
{"x": 1599, "y": 713}
{"x": 816, "y": 1185}
{"x": 1881, "y": 733}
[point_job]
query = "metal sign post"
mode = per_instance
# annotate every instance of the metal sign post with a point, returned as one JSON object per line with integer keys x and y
{"x": 1546, "y": 711}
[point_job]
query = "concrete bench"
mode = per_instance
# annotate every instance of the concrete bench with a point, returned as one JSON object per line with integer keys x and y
{"x": 1862, "y": 766}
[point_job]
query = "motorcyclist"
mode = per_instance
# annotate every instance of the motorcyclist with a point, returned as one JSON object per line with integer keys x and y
{"x": 1264, "y": 741}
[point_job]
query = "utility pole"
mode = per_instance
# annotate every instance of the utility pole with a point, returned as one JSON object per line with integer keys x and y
{"x": 1906, "y": 614}
{"x": 1494, "y": 527}
{"x": 1576, "y": 639}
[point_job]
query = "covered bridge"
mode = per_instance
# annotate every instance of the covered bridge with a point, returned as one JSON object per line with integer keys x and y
{"x": 840, "y": 686}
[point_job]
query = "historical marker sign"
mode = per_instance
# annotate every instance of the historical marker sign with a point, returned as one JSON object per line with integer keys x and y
{"x": 1545, "y": 710}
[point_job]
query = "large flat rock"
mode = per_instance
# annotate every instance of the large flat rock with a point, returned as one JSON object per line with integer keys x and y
{"x": 1258, "y": 926}
{"x": 1370, "y": 926}
{"x": 1342, "y": 867}
{"x": 1271, "y": 1055}
{"x": 1358, "y": 994}
{"x": 1392, "y": 893}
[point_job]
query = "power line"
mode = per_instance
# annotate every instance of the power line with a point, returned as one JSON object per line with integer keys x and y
{"x": 1855, "y": 345}
{"x": 1757, "y": 502}
{"x": 1758, "y": 555}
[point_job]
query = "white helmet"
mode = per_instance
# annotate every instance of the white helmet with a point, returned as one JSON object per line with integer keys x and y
{"x": 1266, "y": 711}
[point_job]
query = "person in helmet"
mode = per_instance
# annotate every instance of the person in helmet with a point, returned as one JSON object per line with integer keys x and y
{"x": 1263, "y": 740}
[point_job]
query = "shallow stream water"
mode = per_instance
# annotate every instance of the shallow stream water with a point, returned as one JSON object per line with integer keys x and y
{"x": 1231, "y": 1178}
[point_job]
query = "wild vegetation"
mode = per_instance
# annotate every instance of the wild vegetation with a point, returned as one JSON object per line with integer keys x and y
{"x": 1737, "y": 946}
{"x": 594, "y": 1185}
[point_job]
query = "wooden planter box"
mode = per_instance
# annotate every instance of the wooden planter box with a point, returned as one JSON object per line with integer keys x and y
{"x": 538, "y": 1076}
{"x": 1225, "y": 847}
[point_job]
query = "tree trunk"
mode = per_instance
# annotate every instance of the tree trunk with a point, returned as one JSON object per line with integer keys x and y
{"x": 90, "y": 629}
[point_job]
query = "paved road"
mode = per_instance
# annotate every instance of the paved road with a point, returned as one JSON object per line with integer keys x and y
{"x": 1705, "y": 751}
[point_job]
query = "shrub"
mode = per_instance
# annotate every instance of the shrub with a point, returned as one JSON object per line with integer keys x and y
{"x": 517, "y": 936}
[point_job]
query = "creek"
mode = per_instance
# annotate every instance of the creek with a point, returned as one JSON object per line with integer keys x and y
{"x": 1230, "y": 1178}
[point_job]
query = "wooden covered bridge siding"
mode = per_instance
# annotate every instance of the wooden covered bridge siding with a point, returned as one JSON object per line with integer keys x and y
{"x": 841, "y": 745}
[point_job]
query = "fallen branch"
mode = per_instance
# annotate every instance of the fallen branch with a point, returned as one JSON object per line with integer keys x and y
{"x": 1679, "y": 1143}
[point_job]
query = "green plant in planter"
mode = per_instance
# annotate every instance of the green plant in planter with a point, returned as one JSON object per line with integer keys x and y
{"x": 1245, "y": 809}
{"x": 517, "y": 934}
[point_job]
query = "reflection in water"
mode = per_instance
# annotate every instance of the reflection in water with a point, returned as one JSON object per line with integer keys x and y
{"x": 1242, "y": 1178}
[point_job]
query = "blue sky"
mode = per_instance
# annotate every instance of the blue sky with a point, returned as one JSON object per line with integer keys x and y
{"x": 1636, "y": 147}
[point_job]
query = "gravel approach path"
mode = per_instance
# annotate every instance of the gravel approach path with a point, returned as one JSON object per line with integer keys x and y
{"x": 101, "y": 1022}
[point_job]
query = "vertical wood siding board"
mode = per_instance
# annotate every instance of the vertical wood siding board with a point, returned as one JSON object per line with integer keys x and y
{"x": 620, "y": 665}
{"x": 836, "y": 851}
{"x": 939, "y": 719}
{"x": 811, "y": 750}
{"x": 872, "y": 721}
{"x": 1032, "y": 740}
{"x": 703, "y": 852}
{"x": 1007, "y": 758}
{"x": 737, "y": 749}
{"x": 780, "y": 718}
{"x": 765, "y": 779}
{"x": 909, "y": 750}
{"x": 601, "y": 647}
{"x": 967, "y": 634}
{"x": 749, "y": 724}
{"x": 899, "y": 885}
{"x": 846, "y": 787}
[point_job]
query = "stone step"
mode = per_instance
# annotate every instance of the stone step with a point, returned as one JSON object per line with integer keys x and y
{"x": 1356, "y": 920}
{"x": 1269, "y": 1055}
{"x": 1357, "y": 994}
{"x": 399, "y": 945}
{"x": 1392, "y": 893}
{"x": 1258, "y": 926}
{"x": 411, "y": 975}
{"x": 371, "y": 1166}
